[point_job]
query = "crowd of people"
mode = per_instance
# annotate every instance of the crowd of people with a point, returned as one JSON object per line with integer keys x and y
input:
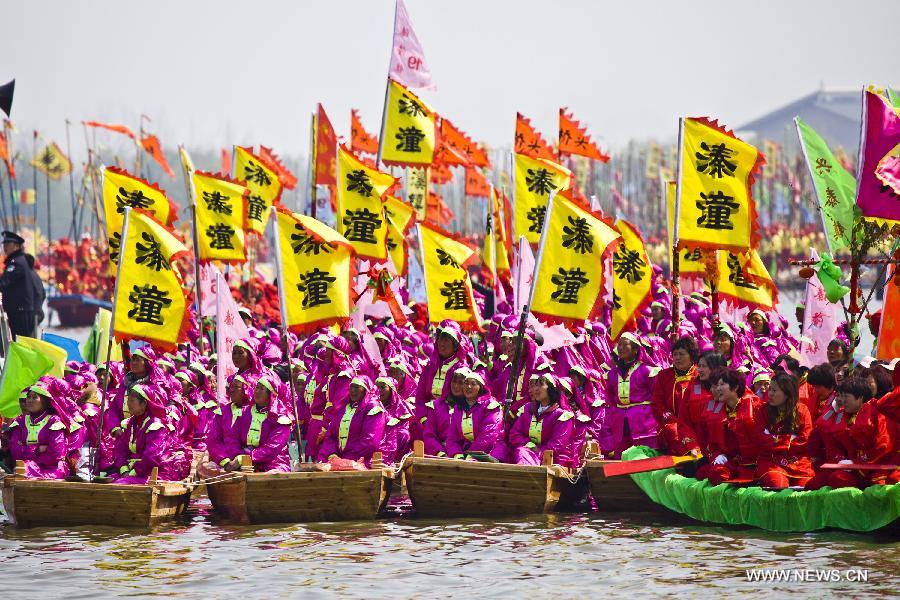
{"x": 733, "y": 394}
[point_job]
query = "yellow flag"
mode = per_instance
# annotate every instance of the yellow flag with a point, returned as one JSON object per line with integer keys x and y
{"x": 316, "y": 271}
{"x": 408, "y": 132}
{"x": 221, "y": 217}
{"x": 745, "y": 280}
{"x": 400, "y": 219}
{"x": 264, "y": 185}
{"x": 632, "y": 273}
{"x": 186, "y": 161}
{"x": 535, "y": 179}
{"x": 51, "y": 351}
{"x": 570, "y": 275}
{"x": 52, "y": 162}
{"x": 360, "y": 217}
{"x": 122, "y": 189}
{"x": 417, "y": 179}
{"x": 495, "y": 246}
{"x": 716, "y": 173}
{"x": 150, "y": 303}
{"x": 690, "y": 260}
{"x": 447, "y": 284}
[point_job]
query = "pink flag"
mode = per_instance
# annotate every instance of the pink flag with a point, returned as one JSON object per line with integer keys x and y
{"x": 820, "y": 319}
{"x": 888, "y": 171}
{"x": 880, "y": 135}
{"x": 230, "y": 328}
{"x": 408, "y": 66}
{"x": 208, "y": 289}
{"x": 524, "y": 274}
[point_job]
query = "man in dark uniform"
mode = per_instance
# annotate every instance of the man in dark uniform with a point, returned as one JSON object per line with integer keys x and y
{"x": 16, "y": 286}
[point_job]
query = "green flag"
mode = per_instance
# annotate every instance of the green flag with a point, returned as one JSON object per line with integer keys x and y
{"x": 23, "y": 367}
{"x": 894, "y": 97}
{"x": 835, "y": 187}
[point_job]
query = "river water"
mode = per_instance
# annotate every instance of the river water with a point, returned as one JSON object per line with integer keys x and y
{"x": 568, "y": 555}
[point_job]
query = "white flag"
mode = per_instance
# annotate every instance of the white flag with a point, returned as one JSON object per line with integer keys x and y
{"x": 408, "y": 66}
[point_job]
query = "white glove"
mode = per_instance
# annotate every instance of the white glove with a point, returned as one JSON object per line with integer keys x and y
{"x": 720, "y": 460}
{"x": 845, "y": 462}
{"x": 766, "y": 431}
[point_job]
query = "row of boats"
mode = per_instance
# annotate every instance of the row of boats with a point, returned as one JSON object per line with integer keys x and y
{"x": 437, "y": 487}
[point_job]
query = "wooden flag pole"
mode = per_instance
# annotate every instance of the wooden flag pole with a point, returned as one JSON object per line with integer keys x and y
{"x": 198, "y": 289}
{"x": 676, "y": 258}
{"x": 313, "y": 172}
{"x": 71, "y": 181}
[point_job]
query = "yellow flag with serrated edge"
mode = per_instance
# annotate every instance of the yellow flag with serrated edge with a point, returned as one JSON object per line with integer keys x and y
{"x": 221, "y": 217}
{"x": 744, "y": 279}
{"x": 716, "y": 173}
{"x": 360, "y": 217}
{"x": 496, "y": 245}
{"x": 570, "y": 276}
{"x": 400, "y": 219}
{"x": 408, "y": 132}
{"x": 121, "y": 189}
{"x": 150, "y": 302}
{"x": 316, "y": 271}
{"x": 264, "y": 185}
{"x": 535, "y": 179}
{"x": 690, "y": 262}
{"x": 447, "y": 284}
{"x": 632, "y": 274}
{"x": 52, "y": 162}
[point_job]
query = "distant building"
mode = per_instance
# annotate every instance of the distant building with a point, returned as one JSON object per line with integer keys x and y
{"x": 834, "y": 115}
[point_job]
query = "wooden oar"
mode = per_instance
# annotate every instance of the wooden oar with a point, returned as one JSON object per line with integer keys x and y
{"x": 627, "y": 467}
{"x": 860, "y": 466}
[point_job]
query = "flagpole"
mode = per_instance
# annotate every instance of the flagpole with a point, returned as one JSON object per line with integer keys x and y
{"x": 313, "y": 174}
{"x": 282, "y": 305}
{"x": 493, "y": 246}
{"x": 676, "y": 258}
{"x": 512, "y": 194}
{"x": 71, "y": 179}
{"x": 387, "y": 91}
{"x": 198, "y": 289}
{"x": 109, "y": 344}
{"x": 34, "y": 180}
{"x": 424, "y": 271}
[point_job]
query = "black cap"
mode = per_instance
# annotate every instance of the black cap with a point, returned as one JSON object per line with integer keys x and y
{"x": 11, "y": 236}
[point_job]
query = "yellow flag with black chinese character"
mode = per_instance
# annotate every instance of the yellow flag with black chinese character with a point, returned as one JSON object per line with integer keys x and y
{"x": 408, "y": 131}
{"x": 316, "y": 272}
{"x": 221, "y": 218}
{"x": 632, "y": 274}
{"x": 496, "y": 246}
{"x": 716, "y": 172}
{"x": 360, "y": 217}
{"x": 264, "y": 185}
{"x": 447, "y": 284}
{"x": 400, "y": 219}
{"x": 535, "y": 179}
{"x": 417, "y": 179}
{"x": 690, "y": 262}
{"x": 150, "y": 302}
{"x": 745, "y": 280}
{"x": 121, "y": 189}
{"x": 52, "y": 162}
{"x": 570, "y": 275}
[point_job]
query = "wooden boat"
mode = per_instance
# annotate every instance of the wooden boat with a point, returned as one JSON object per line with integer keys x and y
{"x": 617, "y": 494}
{"x": 444, "y": 487}
{"x": 301, "y": 497}
{"x": 76, "y": 310}
{"x": 53, "y": 502}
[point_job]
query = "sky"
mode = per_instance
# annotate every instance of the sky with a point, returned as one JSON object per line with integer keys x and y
{"x": 216, "y": 73}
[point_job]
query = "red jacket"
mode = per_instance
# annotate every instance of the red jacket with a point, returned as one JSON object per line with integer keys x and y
{"x": 778, "y": 448}
{"x": 875, "y": 436}
{"x": 669, "y": 391}
{"x": 690, "y": 435}
{"x": 732, "y": 434}
{"x": 830, "y": 440}
{"x": 889, "y": 405}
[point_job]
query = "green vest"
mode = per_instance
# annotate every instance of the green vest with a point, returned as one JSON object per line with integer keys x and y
{"x": 535, "y": 430}
{"x": 437, "y": 384}
{"x": 34, "y": 429}
{"x": 344, "y": 430}
{"x": 467, "y": 429}
{"x": 256, "y": 421}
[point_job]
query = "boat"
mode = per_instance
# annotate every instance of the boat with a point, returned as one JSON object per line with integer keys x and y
{"x": 447, "y": 487}
{"x": 614, "y": 494}
{"x": 873, "y": 509}
{"x": 246, "y": 497}
{"x": 54, "y": 502}
{"x": 76, "y": 310}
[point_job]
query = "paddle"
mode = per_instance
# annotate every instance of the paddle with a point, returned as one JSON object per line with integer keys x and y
{"x": 627, "y": 467}
{"x": 860, "y": 466}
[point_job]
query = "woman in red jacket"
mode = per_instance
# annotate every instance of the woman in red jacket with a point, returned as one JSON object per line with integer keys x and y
{"x": 782, "y": 433}
{"x": 670, "y": 386}
{"x": 690, "y": 435}
{"x": 875, "y": 437}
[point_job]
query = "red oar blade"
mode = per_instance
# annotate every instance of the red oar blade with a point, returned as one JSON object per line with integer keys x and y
{"x": 860, "y": 467}
{"x": 627, "y": 467}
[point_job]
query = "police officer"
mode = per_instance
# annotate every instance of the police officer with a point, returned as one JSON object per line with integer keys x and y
{"x": 16, "y": 286}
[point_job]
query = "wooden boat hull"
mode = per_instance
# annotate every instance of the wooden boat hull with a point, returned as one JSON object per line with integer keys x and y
{"x": 49, "y": 502}
{"x": 440, "y": 487}
{"x": 617, "y": 494}
{"x": 301, "y": 497}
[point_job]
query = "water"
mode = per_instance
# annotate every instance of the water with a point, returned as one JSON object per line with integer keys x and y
{"x": 568, "y": 555}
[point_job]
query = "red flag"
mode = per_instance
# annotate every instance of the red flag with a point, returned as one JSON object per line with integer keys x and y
{"x": 151, "y": 145}
{"x": 440, "y": 173}
{"x": 456, "y": 138}
{"x": 477, "y": 184}
{"x": 117, "y": 128}
{"x": 575, "y": 140}
{"x": 326, "y": 149}
{"x": 529, "y": 142}
{"x": 447, "y": 155}
{"x": 270, "y": 159}
{"x": 4, "y": 154}
{"x": 360, "y": 139}
{"x": 226, "y": 161}
{"x": 437, "y": 210}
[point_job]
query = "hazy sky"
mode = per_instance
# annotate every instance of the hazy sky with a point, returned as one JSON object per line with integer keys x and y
{"x": 250, "y": 71}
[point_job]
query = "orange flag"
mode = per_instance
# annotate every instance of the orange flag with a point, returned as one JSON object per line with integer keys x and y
{"x": 226, "y": 161}
{"x": 529, "y": 142}
{"x": 151, "y": 145}
{"x": 455, "y": 137}
{"x": 360, "y": 139}
{"x": 4, "y": 155}
{"x": 326, "y": 149}
{"x": 287, "y": 179}
{"x": 117, "y": 128}
{"x": 476, "y": 183}
{"x": 575, "y": 140}
{"x": 450, "y": 156}
{"x": 437, "y": 210}
{"x": 440, "y": 173}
